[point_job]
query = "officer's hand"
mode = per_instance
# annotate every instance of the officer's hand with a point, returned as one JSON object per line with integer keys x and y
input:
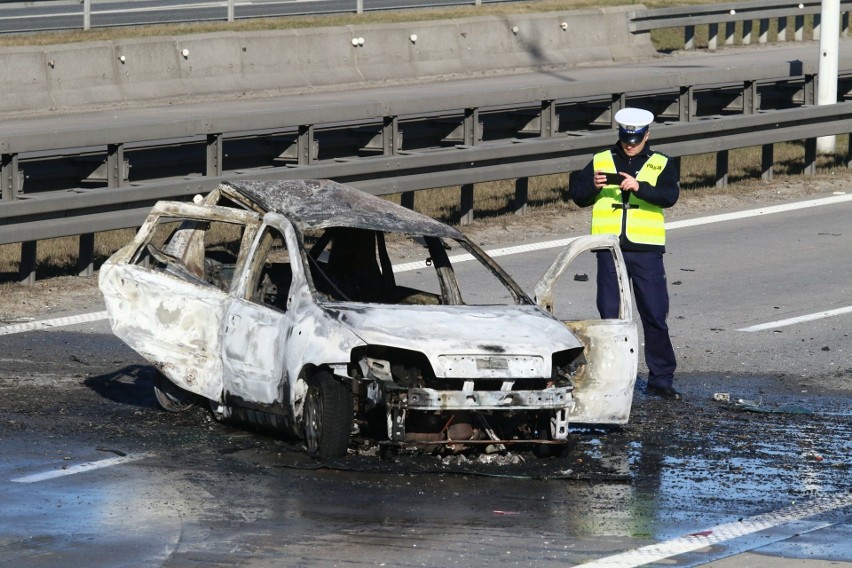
{"x": 629, "y": 183}
{"x": 599, "y": 180}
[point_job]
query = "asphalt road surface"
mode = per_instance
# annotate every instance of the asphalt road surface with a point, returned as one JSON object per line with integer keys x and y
{"x": 93, "y": 474}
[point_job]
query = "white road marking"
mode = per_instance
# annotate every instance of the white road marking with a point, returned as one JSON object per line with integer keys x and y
{"x": 799, "y": 319}
{"x": 79, "y": 468}
{"x": 55, "y": 322}
{"x": 505, "y": 251}
{"x": 726, "y": 532}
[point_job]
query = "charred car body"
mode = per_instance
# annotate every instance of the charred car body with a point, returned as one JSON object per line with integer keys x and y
{"x": 289, "y": 305}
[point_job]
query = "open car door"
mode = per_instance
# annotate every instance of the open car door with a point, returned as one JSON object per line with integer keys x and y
{"x": 603, "y": 387}
{"x": 166, "y": 292}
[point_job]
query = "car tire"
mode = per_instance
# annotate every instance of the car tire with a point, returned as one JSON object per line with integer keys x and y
{"x": 171, "y": 397}
{"x": 328, "y": 416}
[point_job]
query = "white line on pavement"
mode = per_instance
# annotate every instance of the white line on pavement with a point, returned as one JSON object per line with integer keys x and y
{"x": 726, "y": 532}
{"x": 79, "y": 468}
{"x": 799, "y": 319}
{"x": 55, "y": 322}
{"x": 505, "y": 251}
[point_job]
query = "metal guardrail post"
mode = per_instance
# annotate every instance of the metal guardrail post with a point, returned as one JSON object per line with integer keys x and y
{"x": 767, "y": 162}
{"x": 86, "y": 258}
{"x": 809, "y": 89}
{"x": 466, "y": 208}
{"x": 763, "y": 31}
{"x": 747, "y": 26}
{"x": 730, "y": 32}
{"x": 712, "y": 36}
{"x": 9, "y": 177}
{"x": 548, "y": 119}
{"x": 810, "y": 156}
{"x": 87, "y": 14}
{"x": 359, "y": 6}
{"x": 799, "y": 33}
{"x": 390, "y": 135}
{"x": 751, "y": 104}
{"x": 230, "y": 10}
{"x": 689, "y": 37}
{"x": 849, "y": 152}
{"x": 722, "y": 169}
{"x": 27, "y": 267}
{"x": 782, "y": 29}
{"x": 470, "y": 127}
{"x": 522, "y": 193}
{"x": 115, "y": 165}
{"x": 214, "y": 155}
{"x": 686, "y": 104}
{"x": 306, "y": 144}
{"x": 817, "y": 27}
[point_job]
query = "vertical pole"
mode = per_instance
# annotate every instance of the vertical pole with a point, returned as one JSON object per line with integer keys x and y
{"x": 747, "y": 25}
{"x": 230, "y": 10}
{"x": 829, "y": 44}
{"x": 305, "y": 144}
{"x": 730, "y": 32}
{"x": 782, "y": 29}
{"x": 87, "y": 14}
{"x": 522, "y": 193}
{"x": 799, "y": 32}
{"x": 722, "y": 169}
{"x": 9, "y": 177}
{"x": 689, "y": 37}
{"x": 763, "y": 31}
{"x": 359, "y": 6}
{"x": 686, "y": 104}
{"x": 214, "y": 155}
{"x": 86, "y": 262}
{"x": 750, "y": 99}
{"x": 712, "y": 36}
{"x": 548, "y": 120}
{"x": 767, "y": 162}
{"x": 466, "y": 204}
{"x": 27, "y": 266}
{"x": 810, "y": 156}
{"x": 470, "y": 129}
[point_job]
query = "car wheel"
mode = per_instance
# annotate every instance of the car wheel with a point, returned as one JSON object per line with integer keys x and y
{"x": 171, "y": 397}
{"x": 328, "y": 416}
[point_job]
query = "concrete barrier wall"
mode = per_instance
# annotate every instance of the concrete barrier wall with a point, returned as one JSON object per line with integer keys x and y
{"x": 247, "y": 63}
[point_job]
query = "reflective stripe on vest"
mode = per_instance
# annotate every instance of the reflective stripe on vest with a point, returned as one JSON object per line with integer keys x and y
{"x": 645, "y": 222}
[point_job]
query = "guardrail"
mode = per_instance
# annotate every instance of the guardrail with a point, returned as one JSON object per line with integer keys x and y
{"x": 89, "y": 211}
{"x": 45, "y": 15}
{"x": 713, "y": 15}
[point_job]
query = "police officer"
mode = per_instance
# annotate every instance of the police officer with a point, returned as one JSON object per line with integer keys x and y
{"x": 629, "y": 185}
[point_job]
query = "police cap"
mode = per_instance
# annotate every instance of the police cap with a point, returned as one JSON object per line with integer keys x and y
{"x": 633, "y": 124}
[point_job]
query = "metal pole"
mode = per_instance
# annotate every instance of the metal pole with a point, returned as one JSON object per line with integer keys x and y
{"x": 829, "y": 41}
{"x": 87, "y": 14}
{"x": 359, "y": 7}
{"x": 230, "y": 10}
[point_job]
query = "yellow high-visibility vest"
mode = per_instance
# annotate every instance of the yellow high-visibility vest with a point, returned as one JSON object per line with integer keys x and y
{"x": 645, "y": 222}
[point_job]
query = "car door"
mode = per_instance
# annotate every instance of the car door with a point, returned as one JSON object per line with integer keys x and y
{"x": 167, "y": 306}
{"x": 604, "y": 385}
{"x": 258, "y": 317}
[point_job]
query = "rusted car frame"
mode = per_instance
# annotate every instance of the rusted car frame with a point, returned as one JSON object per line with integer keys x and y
{"x": 277, "y": 303}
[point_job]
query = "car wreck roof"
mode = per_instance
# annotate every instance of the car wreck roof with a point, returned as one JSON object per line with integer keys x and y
{"x": 317, "y": 204}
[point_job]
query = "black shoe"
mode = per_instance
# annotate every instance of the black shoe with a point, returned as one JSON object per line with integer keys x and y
{"x": 667, "y": 393}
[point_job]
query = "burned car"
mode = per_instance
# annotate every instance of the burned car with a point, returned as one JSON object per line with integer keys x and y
{"x": 323, "y": 312}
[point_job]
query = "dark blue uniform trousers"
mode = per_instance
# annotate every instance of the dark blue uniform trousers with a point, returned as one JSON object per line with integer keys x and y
{"x": 648, "y": 276}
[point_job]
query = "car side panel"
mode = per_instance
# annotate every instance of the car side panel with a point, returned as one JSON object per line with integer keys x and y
{"x": 172, "y": 323}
